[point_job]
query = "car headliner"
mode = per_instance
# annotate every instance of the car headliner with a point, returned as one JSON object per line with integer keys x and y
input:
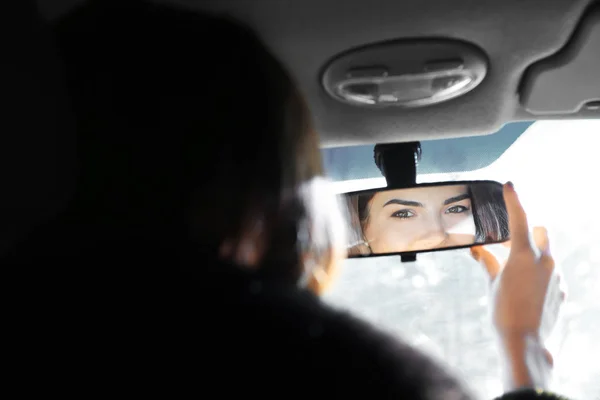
{"x": 306, "y": 34}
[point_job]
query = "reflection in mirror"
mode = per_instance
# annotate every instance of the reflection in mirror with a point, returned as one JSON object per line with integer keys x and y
{"x": 426, "y": 217}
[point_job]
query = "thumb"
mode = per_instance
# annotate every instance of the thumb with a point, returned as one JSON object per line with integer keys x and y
{"x": 487, "y": 259}
{"x": 540, "y": 237}
{"x": 517, "y": 220}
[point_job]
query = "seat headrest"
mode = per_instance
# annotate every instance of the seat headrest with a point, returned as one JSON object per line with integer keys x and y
{"x": 37, "y": 142}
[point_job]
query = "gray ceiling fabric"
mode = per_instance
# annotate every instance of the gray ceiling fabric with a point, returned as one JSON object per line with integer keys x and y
{"x": 306, "y": 34}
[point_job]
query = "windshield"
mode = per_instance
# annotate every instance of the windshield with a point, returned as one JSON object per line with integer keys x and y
{"x": 439, "y": 156}
{"x": 439, "y": 303}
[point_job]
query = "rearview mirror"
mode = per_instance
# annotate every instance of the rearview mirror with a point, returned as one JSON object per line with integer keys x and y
{"x": 426, "y": 217}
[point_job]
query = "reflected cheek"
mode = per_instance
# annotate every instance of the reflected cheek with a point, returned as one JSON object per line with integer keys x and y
{"x": 461, "y": 240}
{"x": 392, "y": 236}
{"x": 462, "y": 225}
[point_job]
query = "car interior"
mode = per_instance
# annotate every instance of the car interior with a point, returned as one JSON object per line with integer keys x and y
{"x": 488, "y": 90}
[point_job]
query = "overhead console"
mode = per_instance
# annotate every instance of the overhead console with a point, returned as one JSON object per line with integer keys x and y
{"x": 567, "y": 82}
{"x": 405, "y": 73}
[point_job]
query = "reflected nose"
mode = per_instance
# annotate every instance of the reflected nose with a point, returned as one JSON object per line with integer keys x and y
{"x": 434, "y": 240}
{"x": 435, "y": 237}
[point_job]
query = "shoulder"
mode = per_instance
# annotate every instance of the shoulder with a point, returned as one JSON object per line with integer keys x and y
{"x": 339, "y": 353}
{"x": 531, "y": 394}
{"x": 232, "y": 331}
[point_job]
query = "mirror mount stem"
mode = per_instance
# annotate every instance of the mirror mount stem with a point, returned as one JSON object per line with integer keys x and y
{"x": 398, "y": 164}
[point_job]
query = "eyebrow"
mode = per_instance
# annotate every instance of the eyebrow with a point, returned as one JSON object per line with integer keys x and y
{"x": 410, "y": 203}
{"x": 456, "y": 198}
{"x": 401, "y": 202}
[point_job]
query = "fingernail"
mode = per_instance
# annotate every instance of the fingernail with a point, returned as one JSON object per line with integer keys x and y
{"x": 547, "y": 252}
{"x": 549, "y": 357}
{"x": 510, "y": 185}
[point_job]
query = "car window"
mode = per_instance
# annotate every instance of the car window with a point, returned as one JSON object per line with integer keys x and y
{"x": 440, "y": 302}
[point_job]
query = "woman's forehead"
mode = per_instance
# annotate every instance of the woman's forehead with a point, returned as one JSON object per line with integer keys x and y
{"x": 425, "y": 195}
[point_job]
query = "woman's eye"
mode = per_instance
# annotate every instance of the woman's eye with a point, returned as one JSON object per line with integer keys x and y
{"x": 403, "y": 214}
{"x": 457, "y": 210}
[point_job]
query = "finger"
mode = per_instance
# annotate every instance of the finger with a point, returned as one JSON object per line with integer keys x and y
{"x": 541, "y": 240}
{"x": 475, "y": 253}
{"x": 517, "y": 220}
{"x": 546, "y": 260}
{"x": 564, "y": 292}
{"x": 549, "y": 357}
{"x": 487, "y": 259}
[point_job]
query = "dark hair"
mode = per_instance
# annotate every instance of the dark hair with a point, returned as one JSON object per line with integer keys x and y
{"x": 489, "y": 214}
{"x": 356, "y": 218}
{"x": 187, "y": 125}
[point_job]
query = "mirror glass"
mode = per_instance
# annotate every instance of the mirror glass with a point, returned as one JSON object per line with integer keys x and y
{"x": 426, "y": 217}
